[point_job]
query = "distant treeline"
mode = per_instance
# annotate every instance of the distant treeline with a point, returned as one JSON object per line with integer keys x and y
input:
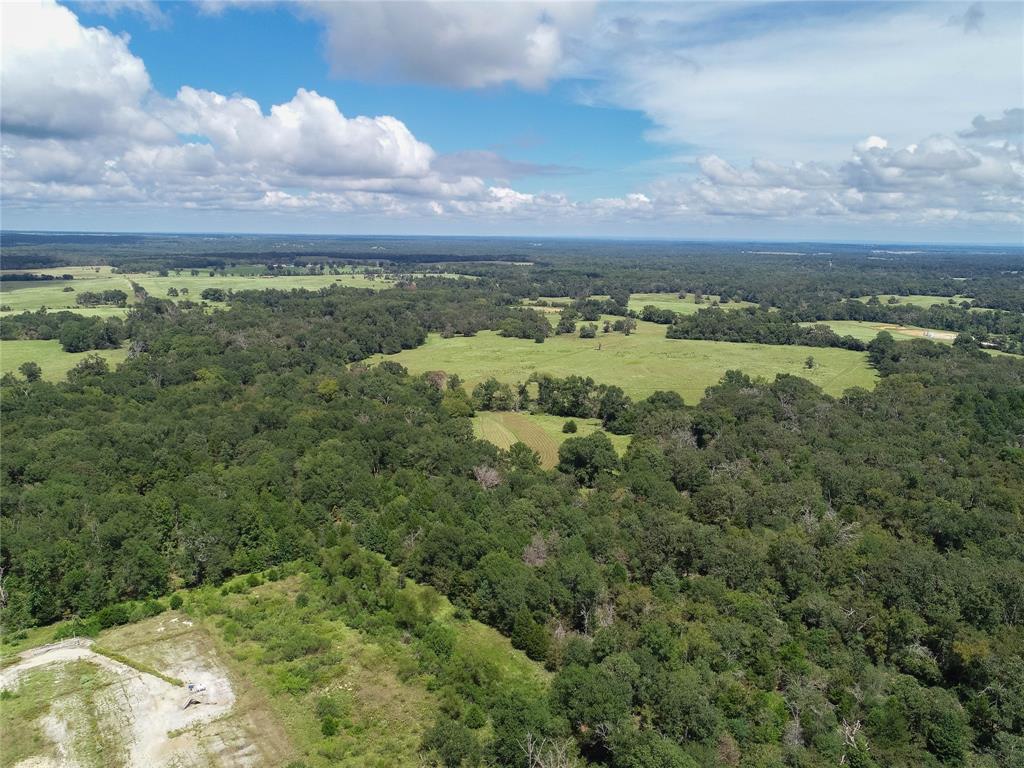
{"x": 29, "y": 277}
{"x": 784, "y": 277}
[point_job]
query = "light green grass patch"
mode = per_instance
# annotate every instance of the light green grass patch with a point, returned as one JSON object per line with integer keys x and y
{"x": 54, "y": 361}
{"x": 641, "y": 363}
{"x": 541, "y": 431}
{"x": 684, "y": 306}
{"x": 867, "y": 331}
{"x": 30, "y": 295}
{"x": 917, "y": 300}
{"x": 157, "y": 286}
{"x": 68, "y": 692}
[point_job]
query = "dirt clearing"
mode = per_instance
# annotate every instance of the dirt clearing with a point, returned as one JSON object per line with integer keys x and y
{"x": 91, "y": 709}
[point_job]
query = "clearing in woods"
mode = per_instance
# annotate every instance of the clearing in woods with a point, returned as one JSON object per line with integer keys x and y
{"x": 540, "y": 431}
{"x": 641, "y": 363}
{"x": 683, "y": 305}
{"x": 54, "y": 361}
{"x": 19, "y": 296}
{"x": 867, "y": 331}
{"x": 75, "y": 703}
{"x": 918, "y": 299}
{"x": 269, "y": 663}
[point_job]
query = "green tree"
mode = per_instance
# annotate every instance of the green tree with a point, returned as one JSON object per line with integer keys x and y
{"x": 31, "y": 371}
{"x": 587, "y": 457}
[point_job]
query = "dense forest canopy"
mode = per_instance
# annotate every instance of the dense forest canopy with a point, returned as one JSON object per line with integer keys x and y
{"x": 770, "y": 576}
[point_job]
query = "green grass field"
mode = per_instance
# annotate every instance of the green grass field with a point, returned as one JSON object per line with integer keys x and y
{"x": 540, "y": 431}
{"x": 641, "y": 363}
{"x": 157, "y": 286}
{"x": 917, "y": 300}
{"x": 637, "y": 301}
{"x": 22, "y": 296}
{"x": 671, "y": 301}
{"x": 54, "y": 361}
{"x": 866, "y": 331}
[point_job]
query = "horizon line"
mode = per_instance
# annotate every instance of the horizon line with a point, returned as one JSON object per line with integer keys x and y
{"x": 604, "y": 238}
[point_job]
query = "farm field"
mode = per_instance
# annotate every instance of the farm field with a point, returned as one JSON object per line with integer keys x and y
{"x": 866, "y": 331}
{"x": 641, "y": 363}
{"x": 31, "y": 295}
{"x": 687, "y": 306}
{"x": 540, "y": 431}
{"x": 21, "y": 296}
{"x": 158, "y": 286}
{"x": 917, "y": 300}
{"x": 54, "y": 361}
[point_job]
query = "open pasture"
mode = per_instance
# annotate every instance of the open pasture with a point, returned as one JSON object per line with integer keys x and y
{"x": 641, "y": 363}
{"x": 54, "y": 361}
{"x": 917, "y": 300}
{"x": 867, "y": 331}
{"x": 157, "y": 285}
{"x": 540, "y": 431}
{"x": 684, "y": 306}
{"x": 20, "y": 296}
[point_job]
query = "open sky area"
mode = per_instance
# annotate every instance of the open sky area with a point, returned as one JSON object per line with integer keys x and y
{"x": 808, "y": 121}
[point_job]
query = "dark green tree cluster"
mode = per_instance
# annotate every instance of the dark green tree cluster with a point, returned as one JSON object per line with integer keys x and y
{"x": 752, "y": 325}
{"x": 75, "y": 332}
{"x": 526, "y": 324}
{"x": 114, "y": 298}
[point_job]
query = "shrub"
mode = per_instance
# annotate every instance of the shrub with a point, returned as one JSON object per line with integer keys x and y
{"x": 570, "y": 427}
{"x": 329, "y": 726}
{"x": 78, "y": 628}
{"x": 475, "y": 717}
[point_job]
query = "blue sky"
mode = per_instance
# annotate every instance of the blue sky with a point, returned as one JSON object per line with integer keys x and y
{"x": 866, "y": 121}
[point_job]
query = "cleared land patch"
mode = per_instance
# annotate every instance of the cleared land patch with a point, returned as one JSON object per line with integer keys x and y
{"x": 22, "y": 295}
{"x": 641, "y": 363}
{"x": 267, "y": 656}
{"x": 684, "y": 306}
{"x": 867, "y": 331}
{"x": 54, "y": 361}
{"x": 541, "y": 431}
{"x": 917, "y": 300}
{"x": 79, "y": 706}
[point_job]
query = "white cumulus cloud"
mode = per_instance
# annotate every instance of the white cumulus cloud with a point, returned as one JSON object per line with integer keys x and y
{"x": 464, "y": 44}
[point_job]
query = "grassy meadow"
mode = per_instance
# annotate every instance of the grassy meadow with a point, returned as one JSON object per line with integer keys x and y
{"x": 684, "y": 306}
{"x": 54, "y": 361}
{"x": 917, "y": 300}
{"x": 21, "y": 296}
{"x": 867, "y": 331}
{"x": 641, "y": 363}
{"x": 32, "y": 295}
{"x": 541, "y": 431}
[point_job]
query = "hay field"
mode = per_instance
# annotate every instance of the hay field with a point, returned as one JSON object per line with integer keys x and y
{"x": 641, "y": 363}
